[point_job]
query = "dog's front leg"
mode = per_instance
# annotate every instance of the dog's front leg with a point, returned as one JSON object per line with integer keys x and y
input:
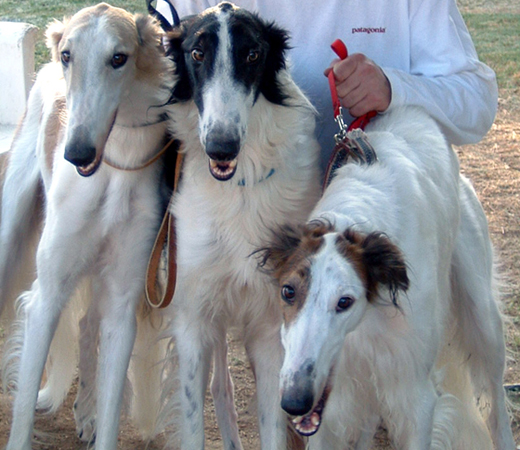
{"x": 118, "y": 328}
{"x": 194, "y": 361}
{"x": 263, "y": 346}
{"x": 41, "y": 319}
{"x": 412, "y": 414}
{"x": 85, "y": 403}
{"x": 60, "y": 263}
{"x": 222, "y": 391}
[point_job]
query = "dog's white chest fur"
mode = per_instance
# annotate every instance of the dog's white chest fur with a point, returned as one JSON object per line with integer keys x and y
{"x": 220, "y": 224}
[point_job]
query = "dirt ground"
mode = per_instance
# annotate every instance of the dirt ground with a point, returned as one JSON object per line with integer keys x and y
{"x": 494, "y": 168}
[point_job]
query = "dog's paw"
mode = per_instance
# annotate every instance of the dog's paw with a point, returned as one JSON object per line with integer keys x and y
{"x": 87, "y": 433}
{"x": 46, "y": 402}
{"x": 85, "y": 416}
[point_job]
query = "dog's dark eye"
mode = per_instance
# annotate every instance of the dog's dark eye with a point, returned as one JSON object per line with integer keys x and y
{"x": 252, "y": 56}
{"x": 197, "y": 54}
{"x": 288, "y": 294}
{"x": 344, "y": 303}
{"x": 118, "y": 60}
{"x": 65, "y": 57}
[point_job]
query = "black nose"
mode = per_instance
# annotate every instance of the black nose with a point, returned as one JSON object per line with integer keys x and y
{"x": 222, "y": 150}
{"x": 298, "y": 398}
{"x": 79, "y": 150}
{"x": 297, "y": 402}
{"x": 222, "y": 142}
{"x": 80, "y": 156}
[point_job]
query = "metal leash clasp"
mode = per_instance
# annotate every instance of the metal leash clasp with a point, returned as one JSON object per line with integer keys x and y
{"x": 343, "y": 127}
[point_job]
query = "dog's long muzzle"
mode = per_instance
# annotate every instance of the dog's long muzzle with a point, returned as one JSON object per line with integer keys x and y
{"x": 85, "y": 144}
{"x": 222, "y": 150}
{"x": 81, "y": 152}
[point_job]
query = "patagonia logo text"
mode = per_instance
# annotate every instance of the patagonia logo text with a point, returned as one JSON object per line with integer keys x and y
{"x": 368, "y": 30}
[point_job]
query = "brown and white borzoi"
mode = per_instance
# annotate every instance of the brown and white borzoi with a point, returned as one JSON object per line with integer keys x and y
{"x": 378, "y": 324}
{"x": 98, "y": 102}
{"x": 251, "y": 163}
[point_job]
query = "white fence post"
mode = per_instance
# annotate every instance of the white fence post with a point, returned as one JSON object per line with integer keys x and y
{"x": 17, "y": 41}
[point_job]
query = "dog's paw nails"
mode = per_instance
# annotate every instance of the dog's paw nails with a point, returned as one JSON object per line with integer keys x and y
{"x": 43, "y": 409}
{"x": 91, "y": 444}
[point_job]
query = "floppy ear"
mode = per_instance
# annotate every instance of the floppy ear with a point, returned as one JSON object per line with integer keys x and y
{"x": 175, "y": 38}
{"x": 385, "y": 265}
{"x": 53, "y": 36}
{"x": 284, "y": 243}
{"x": 278, "y": 45}
{"x": 149, "y": 35}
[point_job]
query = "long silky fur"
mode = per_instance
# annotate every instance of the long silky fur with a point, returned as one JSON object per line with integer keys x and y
{"x": 382, "y": 361}
{"x": 240, "y": 215}
{"x": 62, "y": 360}
{"x": 263, "y": 149}
{"x": 24, "y": 181}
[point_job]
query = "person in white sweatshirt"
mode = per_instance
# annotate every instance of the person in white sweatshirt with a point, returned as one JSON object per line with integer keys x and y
{"x": 402, "y": 52}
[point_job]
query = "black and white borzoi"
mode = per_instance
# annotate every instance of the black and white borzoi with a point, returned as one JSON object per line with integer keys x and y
{"x": 251, "y": 163}
{"x": 382, "y": 236}
{"x": 93, "y": 116}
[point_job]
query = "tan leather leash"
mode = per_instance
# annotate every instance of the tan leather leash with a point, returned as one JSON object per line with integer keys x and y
{"x": 145, "y": 164}
{"x": 166, "y": 241}
{"x": 165, "y": 238}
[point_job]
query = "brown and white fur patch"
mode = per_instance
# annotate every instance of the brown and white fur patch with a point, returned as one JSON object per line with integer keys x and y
{"x": 102, "y": 97}
{"x": 390, "y": 310}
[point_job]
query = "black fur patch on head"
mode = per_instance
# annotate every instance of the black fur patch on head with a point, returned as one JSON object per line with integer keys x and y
{"x": 251, "y": 33}
{"x": 195, "y": 34}
{"x": 278, "y": 45}
{"x": 226, "y": 6}
{"x": 258, "y": 53}
{"x": 182, "y": 90}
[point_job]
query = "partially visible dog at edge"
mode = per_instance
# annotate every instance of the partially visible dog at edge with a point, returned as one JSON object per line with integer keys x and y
{"x": 390, "y": 304}
{"x": 87, "y": 165}
{"x": 250, "y": 164}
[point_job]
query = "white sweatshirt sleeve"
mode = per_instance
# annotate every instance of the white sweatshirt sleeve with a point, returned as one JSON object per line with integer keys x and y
{"x": 446, "y": 76}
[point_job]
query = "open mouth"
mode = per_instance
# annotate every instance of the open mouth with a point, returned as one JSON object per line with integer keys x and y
{"x": 90, "y": 169}
{"x": 309, "y": 424}
{"x": 222, "y": 170}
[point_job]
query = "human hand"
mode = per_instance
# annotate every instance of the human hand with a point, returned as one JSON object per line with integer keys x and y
{"x": 361, "y": 85}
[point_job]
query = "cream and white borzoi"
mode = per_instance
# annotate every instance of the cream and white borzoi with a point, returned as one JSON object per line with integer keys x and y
{"x": 98, "y": 102}
{"x": 251, "y": 163}
{"x": 377, "y": 323}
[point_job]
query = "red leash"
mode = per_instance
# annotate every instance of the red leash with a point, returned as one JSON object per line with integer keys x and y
{"x": 341, "y": 50}
{"x": 351, "y": 142}
{"x": 361, "y": 122}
